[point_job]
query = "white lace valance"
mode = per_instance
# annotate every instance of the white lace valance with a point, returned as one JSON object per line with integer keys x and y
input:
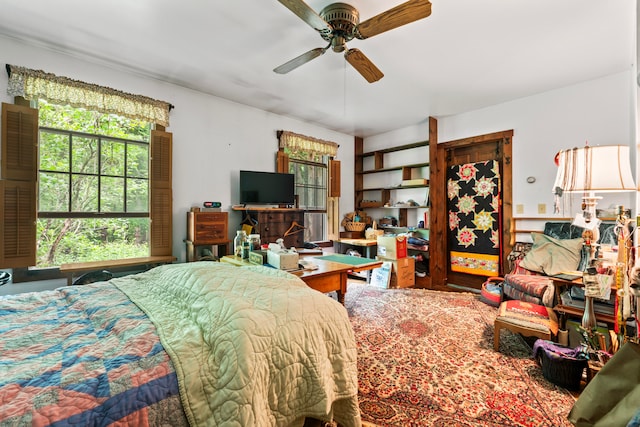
{"x": 300, "y": 144}
{"x": 34, "y": 84}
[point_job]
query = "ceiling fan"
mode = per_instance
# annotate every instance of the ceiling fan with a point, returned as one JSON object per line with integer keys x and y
{"x": 339, "y": 23}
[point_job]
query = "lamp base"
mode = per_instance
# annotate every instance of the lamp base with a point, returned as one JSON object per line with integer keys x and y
{"x": 589, "y": 316}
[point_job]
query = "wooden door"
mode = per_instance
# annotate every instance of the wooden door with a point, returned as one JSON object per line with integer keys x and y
{"x": 496, "y": 146}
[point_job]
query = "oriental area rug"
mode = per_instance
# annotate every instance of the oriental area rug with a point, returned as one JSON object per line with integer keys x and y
{"x": 425, "y": 358}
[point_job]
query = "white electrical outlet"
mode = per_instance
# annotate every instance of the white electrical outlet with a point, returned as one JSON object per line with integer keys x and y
{"x": 520, "y": 209}
{"x": 542, "y": 208}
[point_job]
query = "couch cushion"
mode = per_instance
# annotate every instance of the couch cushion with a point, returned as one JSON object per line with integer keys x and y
{"x": 552, "y": 256}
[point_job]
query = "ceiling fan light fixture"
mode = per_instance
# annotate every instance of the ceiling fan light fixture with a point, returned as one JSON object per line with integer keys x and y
{"x": 338, "y": 44}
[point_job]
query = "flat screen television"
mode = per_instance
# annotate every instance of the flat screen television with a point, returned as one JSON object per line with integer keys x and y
{"x": 266, "y": 188}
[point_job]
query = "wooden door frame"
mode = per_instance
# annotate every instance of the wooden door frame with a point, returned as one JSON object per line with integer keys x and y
{"x": 438, "y": 240}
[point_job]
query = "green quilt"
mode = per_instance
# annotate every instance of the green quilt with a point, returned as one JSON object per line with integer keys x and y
{"x": 252, "y": 346}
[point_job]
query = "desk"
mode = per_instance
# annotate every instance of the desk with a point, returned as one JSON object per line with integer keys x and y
{"x": 370, "y": 248}
{"x": 331, "y": 275}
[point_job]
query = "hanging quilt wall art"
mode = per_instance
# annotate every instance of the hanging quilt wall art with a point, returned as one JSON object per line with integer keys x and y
{"x": 473, "y": 204}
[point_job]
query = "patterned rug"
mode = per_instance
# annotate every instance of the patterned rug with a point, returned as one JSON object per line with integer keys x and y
{"x": 425, "y": 358}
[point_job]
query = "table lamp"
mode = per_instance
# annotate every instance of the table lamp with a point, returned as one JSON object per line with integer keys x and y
{"x": 590, "y": 170}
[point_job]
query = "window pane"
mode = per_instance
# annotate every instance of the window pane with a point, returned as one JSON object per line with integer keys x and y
{"x": 137, "y": 161}
{"x": 53, "y": 191}
{"x": 112, "y": 158}
{"x": 137, "y": 195}
{"x": 112, "y": 194}
{"x": 312, "y": 177}
{"x": 63, "y": 240}
{"x": 85, "y": 155}
{"x": 302, "y": 171}
{"x": 54, "y": 152}
{"x": 84, "y": 193}
{"x": 321, "y": 177}
{"x": 320, "y": 198}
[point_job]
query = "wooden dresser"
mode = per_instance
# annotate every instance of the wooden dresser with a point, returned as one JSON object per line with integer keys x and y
{"x": 207, "y": 230}
{"x": 275, "y": 223}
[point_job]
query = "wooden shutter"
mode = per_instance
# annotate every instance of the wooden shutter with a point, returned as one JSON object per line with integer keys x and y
{"x": 19, "y": 142}
{"x": 282, "y": 162}
{"x": 161, "y": 194}
{"x": 17, "y": 224}
{"x": 18, "y": 186}
{"x": 334, "y": 178}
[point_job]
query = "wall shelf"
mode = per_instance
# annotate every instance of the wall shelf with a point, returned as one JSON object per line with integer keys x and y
{"x": 393, "y": 149}
{"x": 385, "y": 192}
{"x": 395, "y": 168}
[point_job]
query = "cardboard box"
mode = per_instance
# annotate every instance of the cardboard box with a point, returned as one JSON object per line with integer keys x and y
{"x": 403, "y": 273}
{"x": 395, "y": 273}
{"x": 283, "y": 260}
{"x": 392, "y": 247}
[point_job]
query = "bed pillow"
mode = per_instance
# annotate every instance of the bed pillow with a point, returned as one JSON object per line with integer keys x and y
{"x": 552, "y": 256}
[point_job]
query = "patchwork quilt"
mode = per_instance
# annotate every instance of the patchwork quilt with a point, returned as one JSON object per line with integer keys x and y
{"x": 197, "y": 343}
{"x": 83, "y": 355}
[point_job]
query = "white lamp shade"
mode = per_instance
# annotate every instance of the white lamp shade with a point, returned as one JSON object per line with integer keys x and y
{"x": 597, "y": 169}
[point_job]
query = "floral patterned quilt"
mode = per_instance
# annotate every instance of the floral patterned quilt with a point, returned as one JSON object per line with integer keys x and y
{"x": 83, "y": 355}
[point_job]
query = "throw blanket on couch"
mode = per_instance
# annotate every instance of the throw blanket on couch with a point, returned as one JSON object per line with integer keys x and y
{"x": 252, "y": 346}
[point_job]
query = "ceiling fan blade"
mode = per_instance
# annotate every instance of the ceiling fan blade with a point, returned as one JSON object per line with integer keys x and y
{"x": 298, "y": 61}
{"x": 363, "y": 65}
{"x": 398, "y": 16}
{"x": 307, "y": 14}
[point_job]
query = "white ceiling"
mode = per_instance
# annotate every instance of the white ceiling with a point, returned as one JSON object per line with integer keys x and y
{"x": 467, "y": 55}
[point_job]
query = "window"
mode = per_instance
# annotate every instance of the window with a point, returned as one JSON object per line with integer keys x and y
{"x": 105, "y": 168}
{"x": 310, "y": 160}
{"x": 93, "y": 186}
{"x": 311, "y": 188}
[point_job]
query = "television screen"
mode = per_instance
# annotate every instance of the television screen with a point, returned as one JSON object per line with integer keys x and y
{"x": 266, "y": 188}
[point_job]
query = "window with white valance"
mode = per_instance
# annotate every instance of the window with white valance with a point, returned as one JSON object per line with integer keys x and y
{"x": 317, "y": 180}
{"x": 135, "y": 161}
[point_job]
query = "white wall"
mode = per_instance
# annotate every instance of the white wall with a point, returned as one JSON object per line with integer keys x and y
{"x": 212, "y": 138}
{"x": 600, "y": 111}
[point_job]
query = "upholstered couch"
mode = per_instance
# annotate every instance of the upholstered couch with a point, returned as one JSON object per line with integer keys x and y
{"x": 558, "y": 248}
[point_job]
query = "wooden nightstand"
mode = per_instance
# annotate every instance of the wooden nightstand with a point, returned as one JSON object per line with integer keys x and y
{"x": 206, "y": 230}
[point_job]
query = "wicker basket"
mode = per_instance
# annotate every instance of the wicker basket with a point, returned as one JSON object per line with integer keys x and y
{"x": 354, "y": 226}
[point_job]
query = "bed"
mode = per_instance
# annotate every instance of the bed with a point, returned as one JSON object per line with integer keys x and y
{"x": 201, "y": 343}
